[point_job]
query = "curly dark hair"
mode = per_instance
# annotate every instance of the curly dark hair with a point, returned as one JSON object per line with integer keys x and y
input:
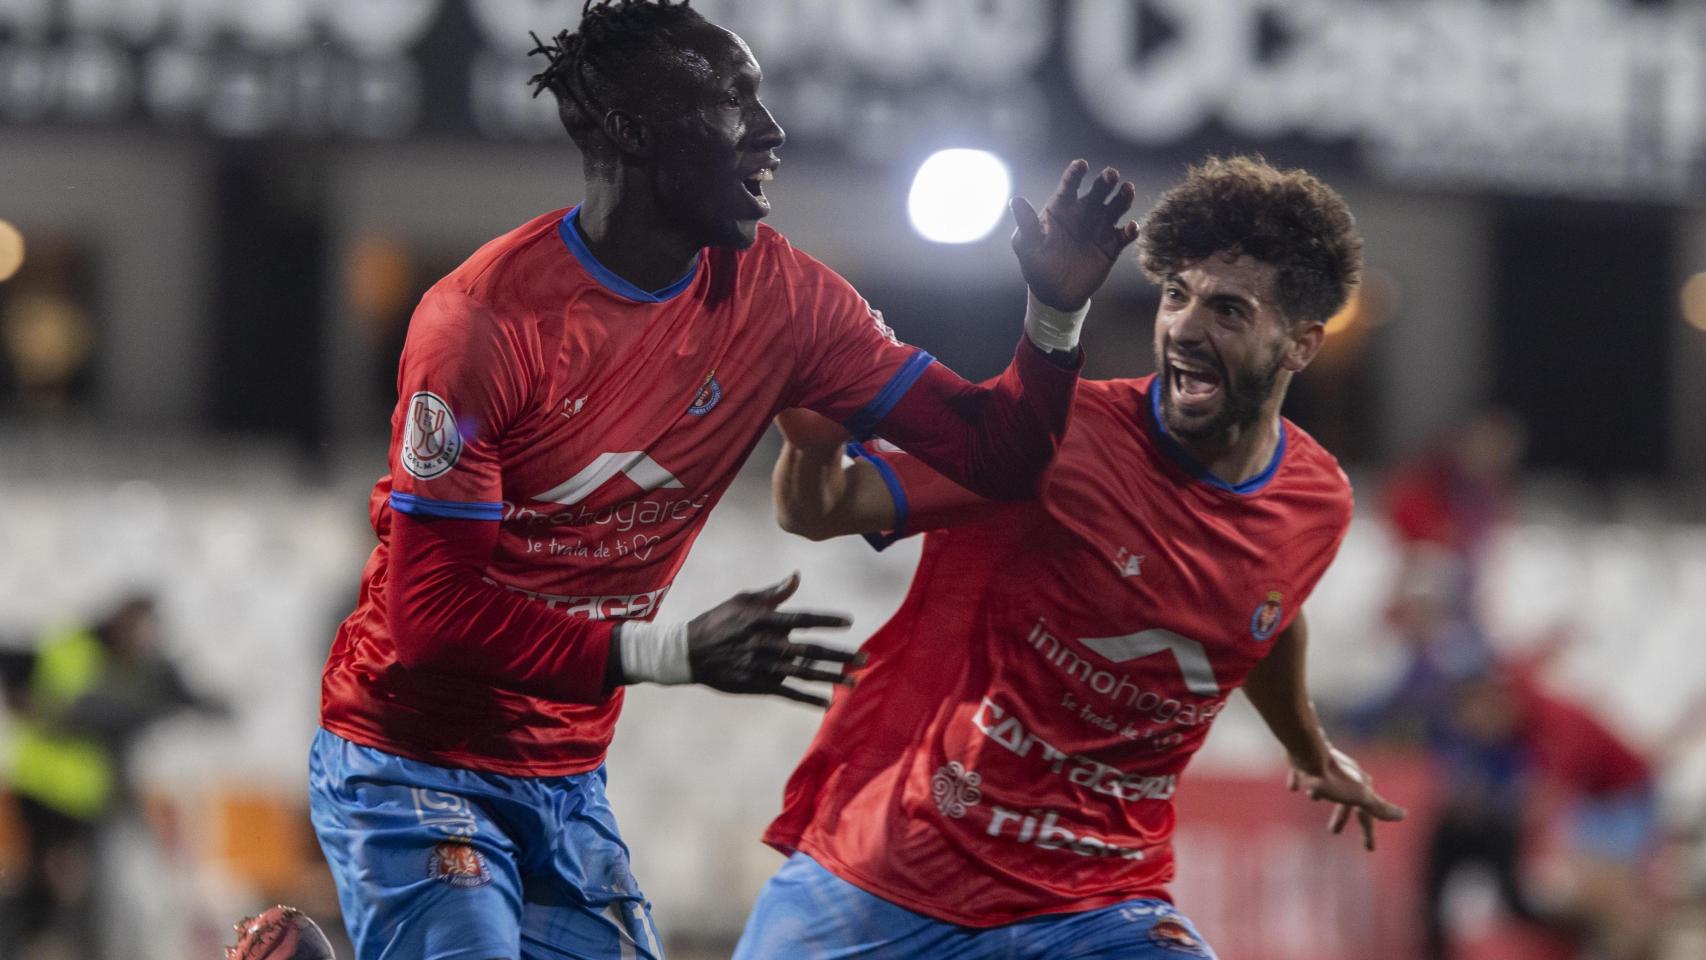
{"x": 1287, "y": 218}
{"x": 619, "y": 56}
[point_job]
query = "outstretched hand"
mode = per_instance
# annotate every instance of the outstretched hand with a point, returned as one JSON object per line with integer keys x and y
{"x": 741, "y": 646}
{"x": 1067, "y": 251}
{"x": 1344, "y": 784}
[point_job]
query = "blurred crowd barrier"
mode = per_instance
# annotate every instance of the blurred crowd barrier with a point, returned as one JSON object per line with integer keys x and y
{"x": 253, "y": 571}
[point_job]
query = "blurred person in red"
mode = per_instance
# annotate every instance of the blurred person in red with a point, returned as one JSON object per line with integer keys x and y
{"x": 1453, "y": 497}
{"x": 1444, "y": 508}
{"x": 1606, "y": 791}
{"x": 1000, "y": 783}
{"x": 83, "y": 698}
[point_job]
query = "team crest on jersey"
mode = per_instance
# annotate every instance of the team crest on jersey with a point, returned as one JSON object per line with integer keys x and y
{"x": 1267, "y": 617}
{"x": 710, "y": 393}
{"x": 458, "y": 864}
{"x": 431, "y": 440}
{"x": 1174, "y": 937}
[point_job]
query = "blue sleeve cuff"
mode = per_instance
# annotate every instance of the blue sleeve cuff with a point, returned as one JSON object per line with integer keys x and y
{"x": 408, "y": 503}
{"x": 881, "y": 541}
{"x": 862, "y": 424}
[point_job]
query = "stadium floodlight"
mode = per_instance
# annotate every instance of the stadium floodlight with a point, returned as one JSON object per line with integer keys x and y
{"x": 11, "y": 250}
{"x": 1694, "y": 301}
{"x": 958, "y": 195}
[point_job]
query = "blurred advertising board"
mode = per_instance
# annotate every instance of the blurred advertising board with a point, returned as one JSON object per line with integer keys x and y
{"x": 1596, "y": 97}
{"x": 1263, "y": 880}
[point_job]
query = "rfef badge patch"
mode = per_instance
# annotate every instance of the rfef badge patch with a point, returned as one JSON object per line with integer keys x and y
{"x": 1268, "y": 615}
{"x": 710, "y": 393}
{"x": 458, "y": 864}
{"x": 431, "y": 440}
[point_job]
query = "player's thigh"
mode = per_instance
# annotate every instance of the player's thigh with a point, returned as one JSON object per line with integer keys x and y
{"x": 1135, "y": 930}
{"x": 580, "y": 899}
{"x": 423, "y": 871}
{"x": 805, "y": 911}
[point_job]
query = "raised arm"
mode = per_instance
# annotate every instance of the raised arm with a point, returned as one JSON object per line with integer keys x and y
{"x": 1279, "y": 690}
{"x": 998, "y": 439}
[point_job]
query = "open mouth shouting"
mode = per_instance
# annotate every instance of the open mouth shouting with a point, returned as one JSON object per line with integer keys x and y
{"x": 1195, "y": 387}
{"x": 753, "y": 180}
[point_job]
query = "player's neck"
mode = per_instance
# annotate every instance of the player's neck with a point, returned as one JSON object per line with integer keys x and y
{"x": 1239, "y": 456}
{"x": 633, "y": 240}
{"x": 1242, "y": 452}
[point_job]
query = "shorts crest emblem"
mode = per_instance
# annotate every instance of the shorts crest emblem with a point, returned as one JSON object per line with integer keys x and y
{"x": 458, "y": 864}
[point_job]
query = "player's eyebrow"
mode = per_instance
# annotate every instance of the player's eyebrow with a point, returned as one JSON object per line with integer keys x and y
{"x": 1248, "y": 301}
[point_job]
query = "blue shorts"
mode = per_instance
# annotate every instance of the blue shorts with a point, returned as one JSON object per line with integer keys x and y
{"x": 1620, "y": 827}
{"x": 806, "y": 911}
{"x": 436, "y": 863}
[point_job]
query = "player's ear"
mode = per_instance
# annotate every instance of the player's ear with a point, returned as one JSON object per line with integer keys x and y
{"x": 1302, "y": 345}
{"x": 629, "y": 133}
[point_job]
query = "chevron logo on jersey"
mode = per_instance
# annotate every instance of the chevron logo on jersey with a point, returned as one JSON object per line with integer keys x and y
{"x": 1192, "y": 658}
{"x": 636, "y": 465}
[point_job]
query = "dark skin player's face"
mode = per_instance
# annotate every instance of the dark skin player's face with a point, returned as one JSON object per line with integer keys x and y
{"x": 717, "y": 149}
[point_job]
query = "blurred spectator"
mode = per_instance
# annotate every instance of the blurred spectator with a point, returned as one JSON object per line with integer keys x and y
{"x": 82, "y": 699}
{"x": 1454, "y": 496}
{"x": 1487, "y": 777}
{"x": 1605, "y": 790}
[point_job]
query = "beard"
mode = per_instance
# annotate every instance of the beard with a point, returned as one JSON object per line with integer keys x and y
{"x": 1242, "y": 395}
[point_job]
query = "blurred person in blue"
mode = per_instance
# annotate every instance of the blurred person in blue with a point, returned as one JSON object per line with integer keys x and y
{"x": 81, "y": 699}
{"x": 1604, "y": 792}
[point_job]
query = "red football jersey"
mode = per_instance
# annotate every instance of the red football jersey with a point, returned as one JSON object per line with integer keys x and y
{"x": 1013, "y": 745}
{"x": 594, "y": 425}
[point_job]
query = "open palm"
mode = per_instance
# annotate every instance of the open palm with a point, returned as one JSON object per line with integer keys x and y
{"x": 1067, "y": 251}
{"x": 1344, "y": 784}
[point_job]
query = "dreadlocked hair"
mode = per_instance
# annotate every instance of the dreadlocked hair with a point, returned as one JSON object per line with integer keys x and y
{"x": 1286, "y": 218}
{"x": 616, "y": 49}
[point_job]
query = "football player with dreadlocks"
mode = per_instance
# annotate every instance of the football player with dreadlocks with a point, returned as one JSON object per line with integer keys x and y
{"x": 572, "y": 401}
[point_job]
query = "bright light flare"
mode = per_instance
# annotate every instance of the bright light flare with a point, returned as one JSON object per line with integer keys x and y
{"x": 958, "y": 195}
{"x": 1694, "y": 301}
{"x": 11, "y": 250}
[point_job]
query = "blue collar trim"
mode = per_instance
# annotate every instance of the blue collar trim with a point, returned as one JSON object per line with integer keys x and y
{"x": 1197, "y": 470}
{"x": 608, "y": 278}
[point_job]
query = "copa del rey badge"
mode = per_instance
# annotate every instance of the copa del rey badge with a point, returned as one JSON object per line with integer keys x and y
{"x": 431, "y": 442}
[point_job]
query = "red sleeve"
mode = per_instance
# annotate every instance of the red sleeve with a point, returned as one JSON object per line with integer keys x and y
{"x": 996, "y": 439}
{"x": 463, "y": 380}
{"x": 923, "y": 499}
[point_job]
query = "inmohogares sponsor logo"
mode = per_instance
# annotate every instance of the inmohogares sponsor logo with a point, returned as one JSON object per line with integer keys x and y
{"x": 1152, "y": 706}
{"x": 621, "y": 517}
{"x": 431, "y": 439}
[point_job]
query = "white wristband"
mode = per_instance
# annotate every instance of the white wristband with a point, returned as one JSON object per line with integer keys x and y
{"x": 654, "y": 652}
{"x": 1052, "y": 329}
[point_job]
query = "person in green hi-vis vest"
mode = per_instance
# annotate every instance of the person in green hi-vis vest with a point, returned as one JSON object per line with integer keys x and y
{"x": 82, "y": 699}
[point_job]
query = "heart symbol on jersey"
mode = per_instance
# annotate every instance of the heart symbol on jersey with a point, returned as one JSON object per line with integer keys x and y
{"x": 643, "y": 546}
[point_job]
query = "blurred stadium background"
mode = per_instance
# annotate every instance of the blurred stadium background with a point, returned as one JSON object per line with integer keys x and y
{"x": 225, "y": 212}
